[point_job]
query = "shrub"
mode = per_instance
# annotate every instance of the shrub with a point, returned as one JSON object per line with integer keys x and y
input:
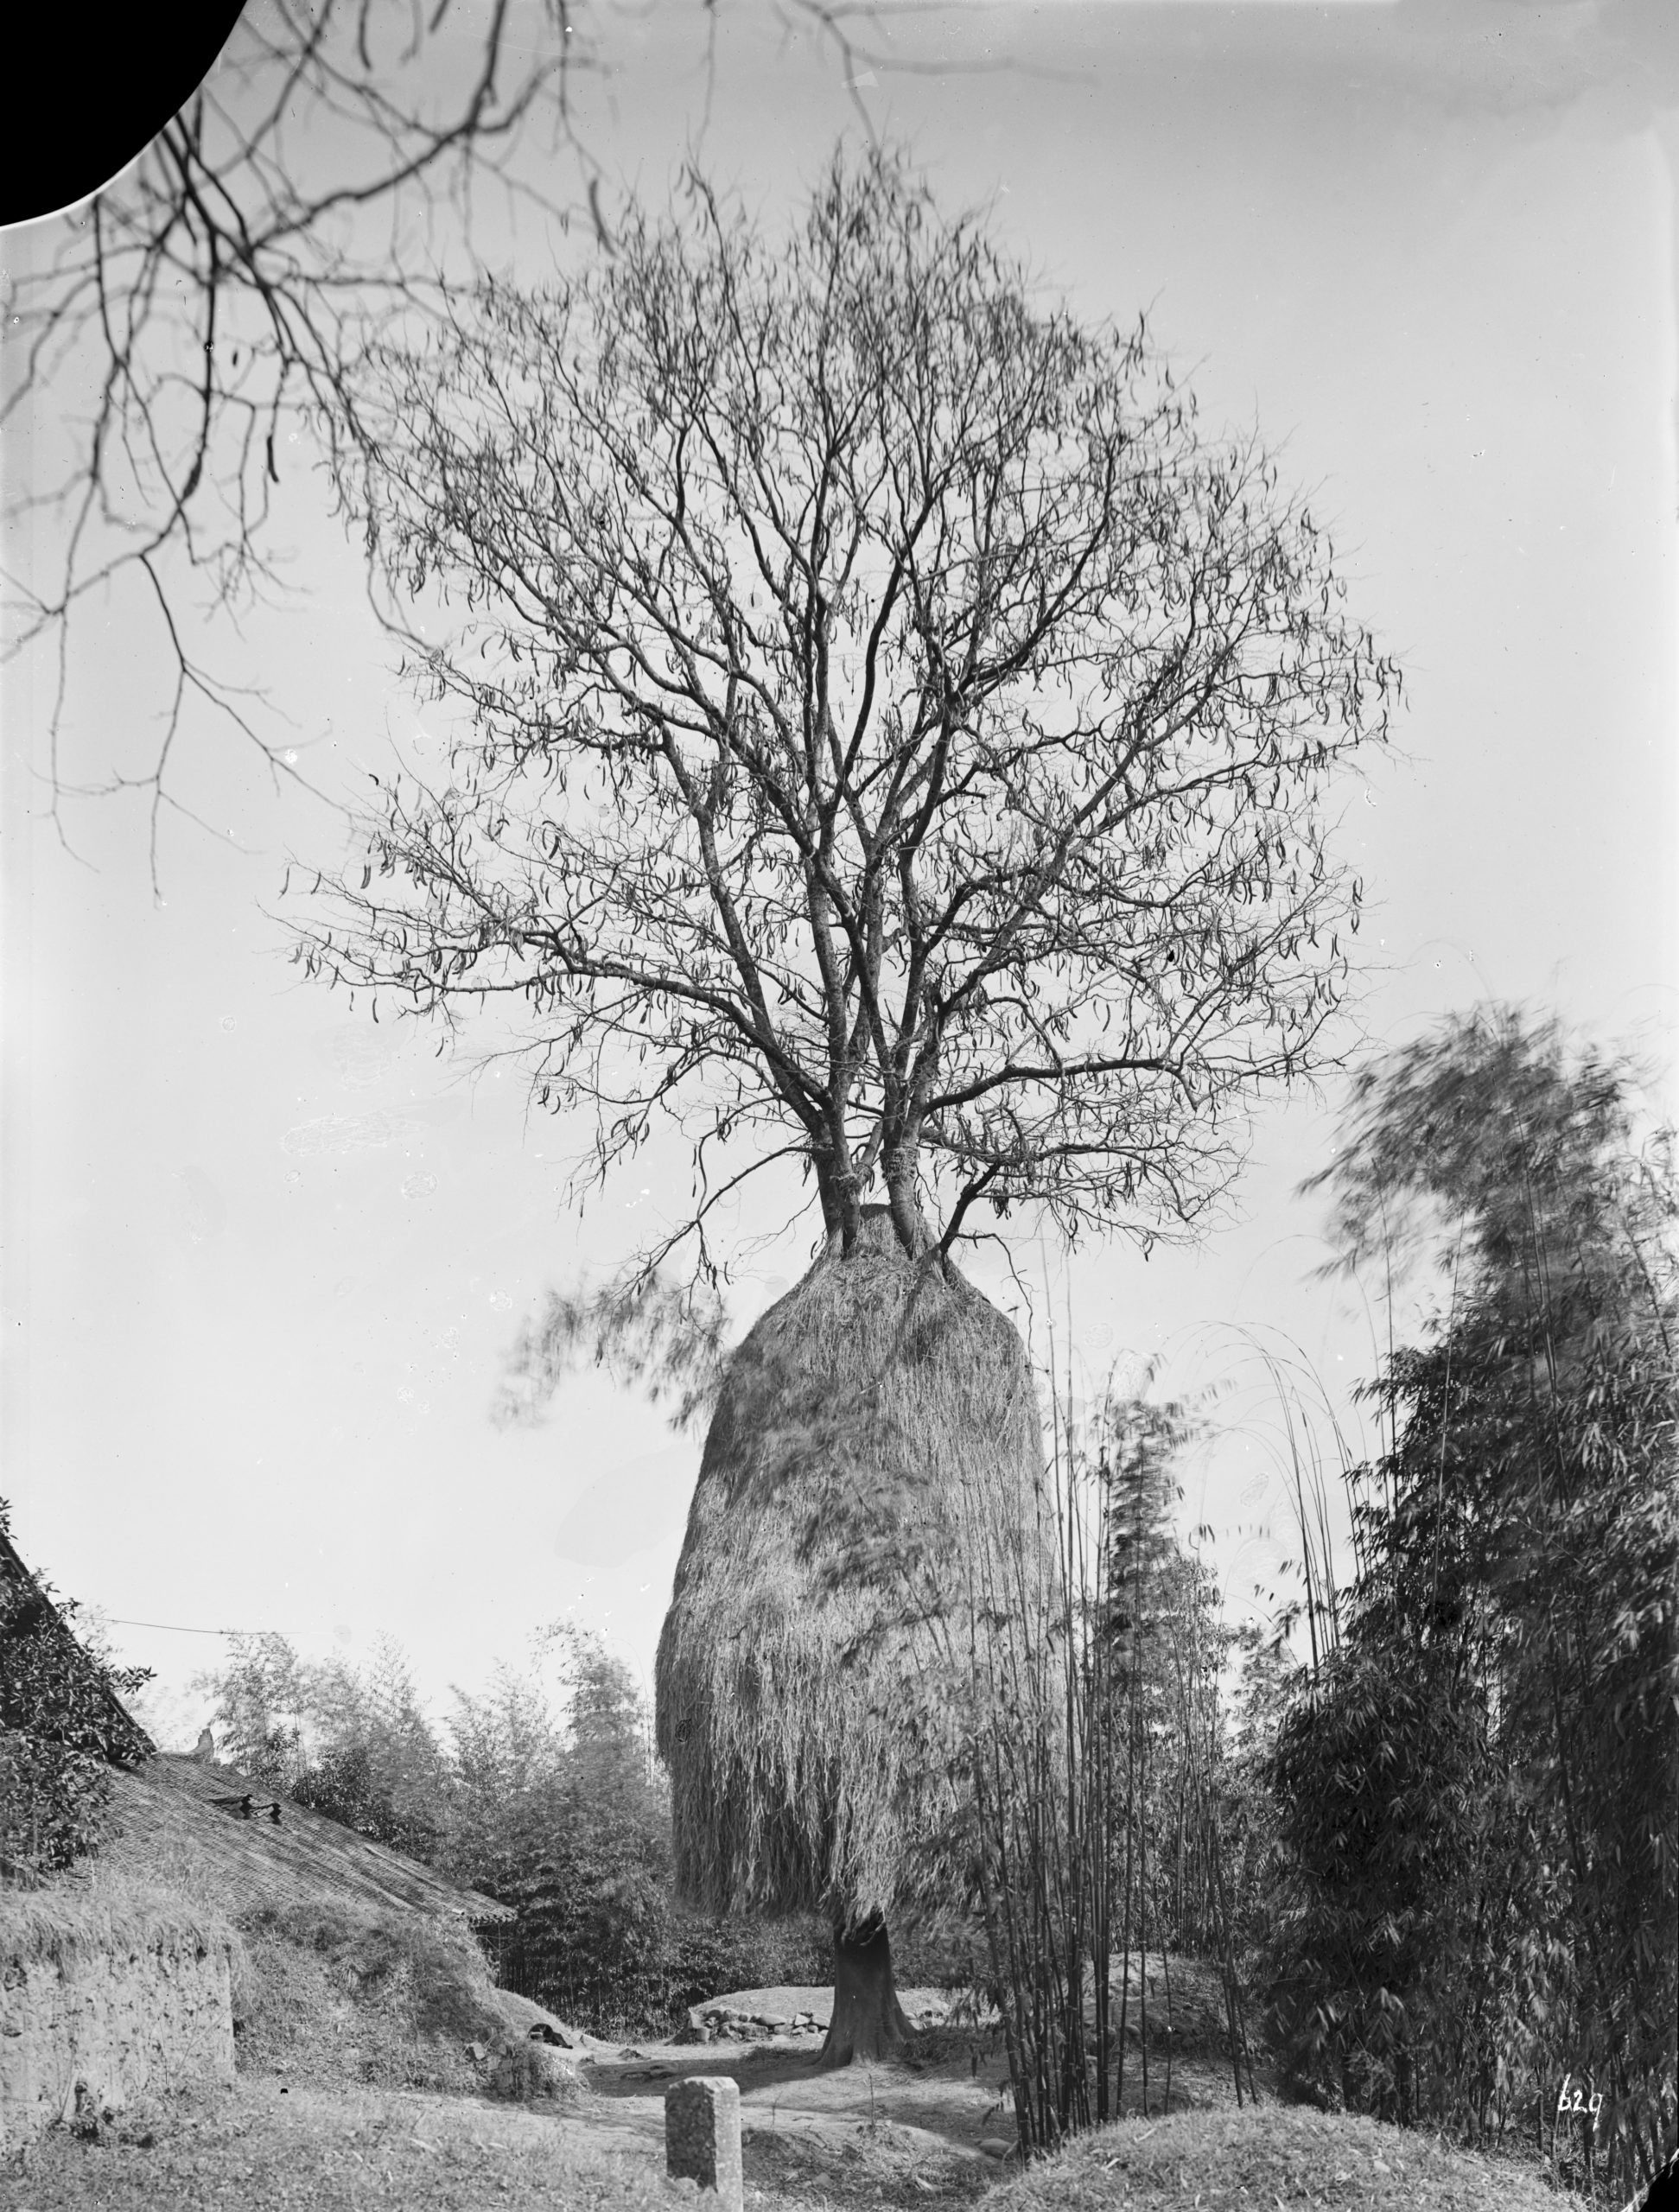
{"x": 61, "y": 1723}
{"x": 589, "y": 1937}
{"x": 706, "y": 1957}
{"x": 393, "y": 1999}
{"x": 345, "y": 1783}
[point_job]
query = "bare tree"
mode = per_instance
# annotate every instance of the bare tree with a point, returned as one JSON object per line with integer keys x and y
{"x": 206, "y": 301}
{"x": 885, "y": 736}
{"x": 199, "y": 314}
{"x": 889, "y": 736}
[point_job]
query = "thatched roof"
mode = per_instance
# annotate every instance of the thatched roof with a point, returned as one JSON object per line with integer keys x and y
{"x": 872, "y": 1468}
{"x": 173, "y": 1819}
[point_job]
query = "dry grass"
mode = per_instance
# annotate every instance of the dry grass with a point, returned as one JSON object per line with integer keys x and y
{"x": 872, "y": 2166}
{"x": 371, "y": 2151}
{"x": 334, "y": 1990}
{"x": 323, "y": 1995}
{"x": 336, "y": 1999}
{"x": 102, "y": 1912}
{"x": 289, "y": 2144}
{"x": 1273, "y": 2156}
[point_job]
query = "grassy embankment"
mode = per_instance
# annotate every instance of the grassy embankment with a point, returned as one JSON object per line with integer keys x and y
{"x": 350, "y": 2150}
{"x": 357, "y": 2094}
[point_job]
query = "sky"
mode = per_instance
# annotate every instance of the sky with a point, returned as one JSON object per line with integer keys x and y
{"x": 263, "y": 1260}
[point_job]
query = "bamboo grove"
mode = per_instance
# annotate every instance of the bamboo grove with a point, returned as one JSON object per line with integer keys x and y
{"x": 1476, "y": 1787}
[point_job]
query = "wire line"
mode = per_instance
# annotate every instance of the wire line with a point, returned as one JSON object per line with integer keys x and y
{"x": 174, "y": 1628}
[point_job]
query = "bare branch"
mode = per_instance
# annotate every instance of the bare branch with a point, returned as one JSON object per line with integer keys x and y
{"x": 887, "y": 720}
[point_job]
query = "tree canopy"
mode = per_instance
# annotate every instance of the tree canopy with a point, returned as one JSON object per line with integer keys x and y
{"x": 887, "y": 732}
{"x": 1478, "y": 1796}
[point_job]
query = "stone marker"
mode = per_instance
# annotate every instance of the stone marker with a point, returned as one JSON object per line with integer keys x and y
{"x": 702, "y": 2135}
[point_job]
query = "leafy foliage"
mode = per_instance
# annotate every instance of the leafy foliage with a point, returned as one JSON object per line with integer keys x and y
{"x": 1081, "y": 1741}
{"x": 1478, "y": 1794}
{"x": 379, "y": 1769}
{"x": 1269, "y": 1681}
{"x": 262, "y": 1696}
{"x": 565, "y": 1823}
{"x": 557, "y": 1811}
{"x": 649, "y": 1335}
{"x": 61, "y": 1723}
{"x": 593, "y": 1914}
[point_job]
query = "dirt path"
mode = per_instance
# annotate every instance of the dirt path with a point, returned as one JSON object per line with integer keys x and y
{"x": 949, "y": 2096}
{"x": 812, "y": 2142}
{"x": 937, "y": 2109}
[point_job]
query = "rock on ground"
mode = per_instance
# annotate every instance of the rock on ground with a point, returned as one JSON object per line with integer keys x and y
{"x": 761, "y": 2015}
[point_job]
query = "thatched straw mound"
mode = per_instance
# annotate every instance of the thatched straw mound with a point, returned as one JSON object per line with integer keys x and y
{"x": 873, "y": 1467}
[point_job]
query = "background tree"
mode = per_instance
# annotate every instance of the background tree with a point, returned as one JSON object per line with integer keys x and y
{"x": 539, "y": 1789}
{"x": 1478, "y": 1799}
{"x": 890, "y": 739}
{"x": 1172, "y": 1867}
{"x": 557, "y": 1812}
{"x": 377, "y": 1765}
{"x": 262, "y": 1708}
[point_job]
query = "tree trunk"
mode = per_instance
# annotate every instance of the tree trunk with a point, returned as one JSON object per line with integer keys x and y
{"x": 868, "y": 2020}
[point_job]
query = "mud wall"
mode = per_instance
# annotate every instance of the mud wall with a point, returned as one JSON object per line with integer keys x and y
{"x": 86, "y": 2026}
